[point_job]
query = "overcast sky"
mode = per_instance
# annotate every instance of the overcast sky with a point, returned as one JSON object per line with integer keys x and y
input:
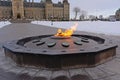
{"x": 96, "y": 7}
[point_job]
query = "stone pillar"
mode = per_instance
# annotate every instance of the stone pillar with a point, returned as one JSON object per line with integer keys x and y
{"x": 48, "y": 9}
{"x": 18, "y": 9}
{"x": 66, "y": 10}
{"x": 32, "y": 2}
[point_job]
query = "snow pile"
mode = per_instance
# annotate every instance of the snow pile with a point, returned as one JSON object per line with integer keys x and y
{"x": 4, "y": 23}
{"x": 103, "y": 27}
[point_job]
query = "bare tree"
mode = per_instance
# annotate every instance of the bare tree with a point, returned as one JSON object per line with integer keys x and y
{"x": 83, "y": 15}
{"x": 76, "y": 10}
{"x": 92, "y": 17}
{"x": 100, "y": 17}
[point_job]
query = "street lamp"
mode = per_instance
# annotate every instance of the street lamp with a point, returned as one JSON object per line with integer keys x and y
{"x": 51, "y": 20}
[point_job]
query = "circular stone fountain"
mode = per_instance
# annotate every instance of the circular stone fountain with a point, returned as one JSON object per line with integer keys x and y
{"x": 47, "y": 51}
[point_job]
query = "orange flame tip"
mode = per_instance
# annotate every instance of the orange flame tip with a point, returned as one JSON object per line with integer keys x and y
{"x": 66, "y": 33}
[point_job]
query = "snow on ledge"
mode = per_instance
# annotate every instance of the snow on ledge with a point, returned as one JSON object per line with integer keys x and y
{"x": 101, "y": 27}
{"x": 4, "y": 23}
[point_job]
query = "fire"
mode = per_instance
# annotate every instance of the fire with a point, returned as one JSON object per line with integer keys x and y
{"x": 66, "y": 33}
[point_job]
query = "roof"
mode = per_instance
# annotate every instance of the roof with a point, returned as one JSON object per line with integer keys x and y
{"x": 39, "y": 5}
{"x": 58, "y": 5}
{"x": 30, "y": 4}
{"x": 5, "y": 3}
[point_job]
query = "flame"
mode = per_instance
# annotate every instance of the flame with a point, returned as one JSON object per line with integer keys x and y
{"x": 66, "y": 33}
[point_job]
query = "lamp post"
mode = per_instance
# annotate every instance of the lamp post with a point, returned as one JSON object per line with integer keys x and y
{"x": 51, "y": 20}
{"x": 62, "y": 18}
{"x": 37, "y": 21}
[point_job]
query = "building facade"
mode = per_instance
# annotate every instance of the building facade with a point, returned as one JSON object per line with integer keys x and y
{"x": 117, "y": 14}
{"x": 43, "y": 10}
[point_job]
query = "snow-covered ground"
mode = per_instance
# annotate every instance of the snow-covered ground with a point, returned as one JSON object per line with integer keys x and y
{"x": 103, "y": 27}
{"x": 4, "y": 23}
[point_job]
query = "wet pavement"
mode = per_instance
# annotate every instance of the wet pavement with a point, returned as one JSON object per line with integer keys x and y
{"x": 9, "y": 71}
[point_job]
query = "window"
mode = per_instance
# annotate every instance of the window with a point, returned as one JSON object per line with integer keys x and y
{"x": 17, "y": 4}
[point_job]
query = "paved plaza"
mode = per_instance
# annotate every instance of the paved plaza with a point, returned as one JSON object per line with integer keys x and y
{"x": 9, "y": 71}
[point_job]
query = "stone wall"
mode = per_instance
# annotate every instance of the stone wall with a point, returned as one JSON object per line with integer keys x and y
{"x": 48, "y": 11}
{"x": 5, "y": 12}
{"x": 34, "y": 13}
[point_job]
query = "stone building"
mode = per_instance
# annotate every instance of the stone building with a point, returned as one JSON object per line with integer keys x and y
{"x": 117, "y": 14}
{"x": 43, "y": 10}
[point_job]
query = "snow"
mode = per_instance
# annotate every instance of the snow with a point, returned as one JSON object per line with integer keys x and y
{"x": 102, "y": 27}
{"x": 4, "y": 23}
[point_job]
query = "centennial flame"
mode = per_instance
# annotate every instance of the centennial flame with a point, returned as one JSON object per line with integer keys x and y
{"x": 66, "y": 33}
